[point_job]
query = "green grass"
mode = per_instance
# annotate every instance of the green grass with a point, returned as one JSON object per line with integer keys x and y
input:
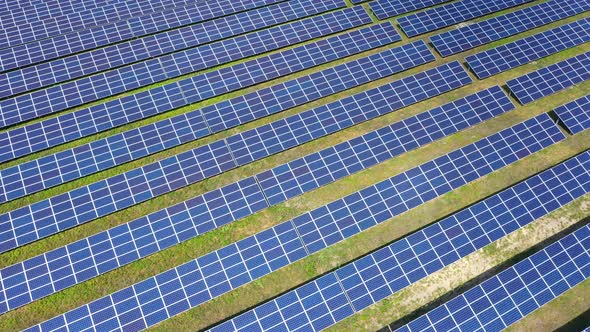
{"x": 326, "y": 260}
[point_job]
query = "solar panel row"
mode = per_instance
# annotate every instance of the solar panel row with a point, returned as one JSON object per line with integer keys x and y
{"x": 523, "y": 51}
{"x": 54, "y": 131}
{"x": 550, "y": 79}
{"x": 153, "y": 46}
{"x": 120, "y": 31}
{"x": 26, "y": 32}
{"x": 496, "y": 28}
{"x": 453, "y": 13}
{"x": 515, "y": 292}
{"x": 575, "y": 115}
{"x": 197, "y": 281}
{"x": 81, "y": 205}
{"x": 123, "y": 244}
{"x": 388, "y": 270}
{"x": 88, "y": 89}
{"x": 26, "y": 12}
{"x": 101, "y": 154}
{"x": 384, "y": 9}
{"x": 50, "y": 8}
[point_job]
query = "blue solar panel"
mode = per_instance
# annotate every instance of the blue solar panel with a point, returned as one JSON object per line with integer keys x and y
{"x": 218, "y": 272}
{"x": 496, "y": 28}
{"x": 320, "y": 168}
{"x": 523, "y": 51}
{"x": 515, "y": 292}
{"x": 390, "y": 269}
{"x": 284, "y": 134}
{"x": 575, "y": 115}
{"x": 453, "y": 13}
{"x": 81, "y": 205}
{"x": 76, "y": 42}
{"x": 548, "y": 80}
{"x": 178, "y": 223}
{"x": 153, "y": 46}
{"x": 384, "y": 9}
{"x": 67, "y": 127}
{"x": 92, "y": 88}
{"x": 24, "y": 31}
{"x": 77, "y": 162}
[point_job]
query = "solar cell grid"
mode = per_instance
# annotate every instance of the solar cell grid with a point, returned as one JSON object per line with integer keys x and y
{"x": 120, "y": 31}
{"x": 137, "y": 239}
{"x": 283, "y": 134}
{"x": 27, "y": 12}
{"x": 25, "y": 32}
{"x": 384, "y": 9}
{"x": 136, "y": 143}
{"x": 550, "y": 79}
{"x": 390, "y": 269}
{"x": 58, "y": 130}
{"x": 496, "y": 28}
{"x": 575, "y": 115}
{"x": 455, "y": 12}
{"x": 318, "y": 169}
{"x": 210, "y": 273}
{"x": 92, "y": 88}
{"x": 515, "y": 292}
{"x": 79, "y": 65}
{"x": 32, "y": 222}
{"x": 326, "y": 226}
{"x": 523, "y": 51}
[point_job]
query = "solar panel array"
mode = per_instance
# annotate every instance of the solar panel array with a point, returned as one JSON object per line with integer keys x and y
{"x": 388, "y": 270}
{"x": 575, "y": 115}
{"x": 515, "y": 292}
{"x": 98, "y": 62}
{"x": 81, "y": 205}
{"x": 384, "y": 9}
{"x": 123, "y": 244}
{"x": 119, "y": 31}
{"x": 192, "y": 283}
{"x": 453, "y": 13}
{"x": 41, "y": 135}
{"x": 26, "y": 32}
{"x": 480, "y": 33}
{"x": 550, "y": 79}
{"x": 523, "y": 51}
{"x": 86, "y": 159}
{"x": 60, "y": 97}
{"x": 147, "y": 48}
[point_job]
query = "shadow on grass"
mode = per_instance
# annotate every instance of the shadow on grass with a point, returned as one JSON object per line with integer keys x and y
{"x": 577, "y": 324}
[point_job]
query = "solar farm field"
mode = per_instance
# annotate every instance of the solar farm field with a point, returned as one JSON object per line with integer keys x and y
{"x": 294, "y": 165}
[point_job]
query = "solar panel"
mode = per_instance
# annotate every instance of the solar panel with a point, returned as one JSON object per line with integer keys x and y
{"x": 523, "y": 51}
{"x": 55, "y": 131}
{"x": 384, "y": 9}
{"x": 81, "y": 205}
{"x": 192, "y": 35}
{"x": 137, "y": 239}
{"x": 25, "y": 32}
{"x": 284, "y": 134}
{"x": 99, "y": 155}
{"x": 515, "y": 292}
{"x": 496, "y": 28}
{"x": 390, "y": 269}
{"x": 92, "y": 88}
{"x": 27, "y": 12}
{"x": 92, "y": 62}
{"x": 575, "y": 115}
{"x": 453, "y": 13}
{"x": 548, "y": 80}
{"x": 218, "y": 272}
